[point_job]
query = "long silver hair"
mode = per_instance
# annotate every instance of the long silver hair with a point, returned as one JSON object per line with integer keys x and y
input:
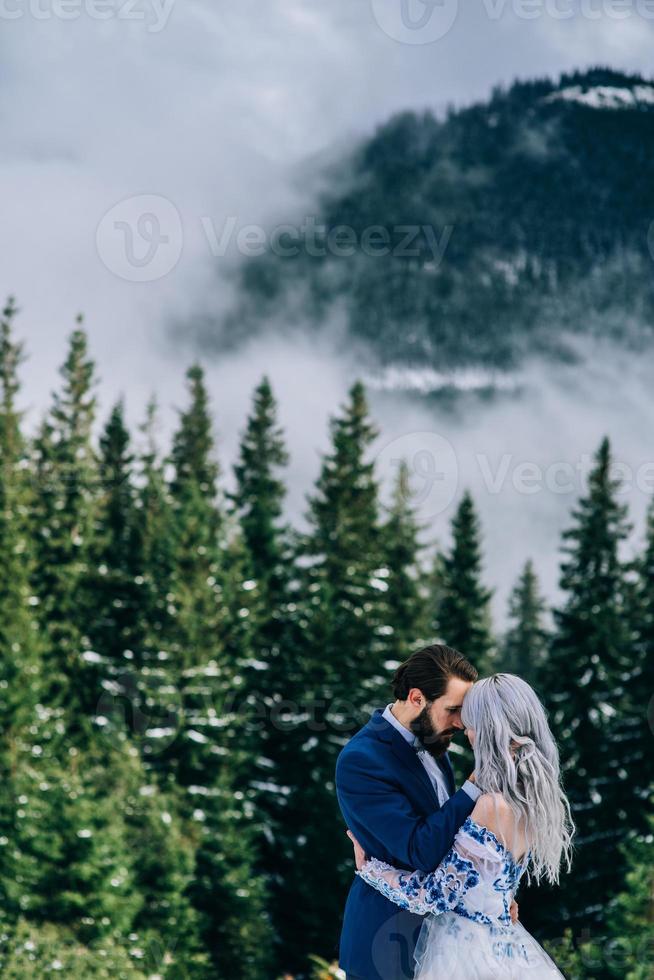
{"x": 516, "y": 756}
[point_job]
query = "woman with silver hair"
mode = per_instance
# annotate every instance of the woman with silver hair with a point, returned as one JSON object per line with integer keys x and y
{"x": 520, "y": 825}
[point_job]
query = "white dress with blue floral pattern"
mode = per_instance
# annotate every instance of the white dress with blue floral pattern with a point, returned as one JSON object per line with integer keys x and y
{"x": 467, "y": 933}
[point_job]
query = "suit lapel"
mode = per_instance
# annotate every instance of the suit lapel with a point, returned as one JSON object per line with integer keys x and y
{"x": 404, "y": 752}
{"x": 408, "y": 756}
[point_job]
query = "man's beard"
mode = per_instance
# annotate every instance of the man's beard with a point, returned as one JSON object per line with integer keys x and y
{"x": 436, "y": 743}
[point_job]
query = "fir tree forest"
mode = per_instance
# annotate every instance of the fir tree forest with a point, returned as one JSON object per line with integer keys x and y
{"x": 180, "y": 668}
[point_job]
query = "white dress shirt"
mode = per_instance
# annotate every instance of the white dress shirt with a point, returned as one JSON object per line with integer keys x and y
{"x": 433, "y": 770}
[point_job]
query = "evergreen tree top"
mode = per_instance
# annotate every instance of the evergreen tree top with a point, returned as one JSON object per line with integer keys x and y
{"x": 346, "y": 490}
{"x": 590, "y": 546}
{"x": 262, "y": 450}
{"x": 193, "y": 444}
{"x": 75, "y": 404}
{"x": 115, "y": 439}
{"x": 11, "y": 357}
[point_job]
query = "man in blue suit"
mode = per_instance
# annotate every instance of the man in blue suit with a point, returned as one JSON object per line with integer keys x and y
{"x": 396, "y": 791}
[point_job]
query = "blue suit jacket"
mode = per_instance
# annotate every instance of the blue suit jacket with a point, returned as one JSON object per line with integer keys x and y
{"x": 389, "y": 804}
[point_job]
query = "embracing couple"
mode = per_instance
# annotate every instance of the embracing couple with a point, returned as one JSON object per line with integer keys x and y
{"x": 437, "y": 869}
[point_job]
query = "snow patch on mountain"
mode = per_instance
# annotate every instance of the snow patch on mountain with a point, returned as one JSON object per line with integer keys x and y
{"x": 426, "y": 380}
{"x": 605, "y": 96}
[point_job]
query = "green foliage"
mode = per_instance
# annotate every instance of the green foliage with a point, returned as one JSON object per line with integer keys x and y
{"x": 324, "y": 970}
{"x": 163, "y": 851}
{"x": 641, "y": 688}
{"x": 462, "y": 617}
{"x": 66, "y": 480}
{"x": 114, "y": 621}
{"x": 179, "y": 670}
{"x": 155, "y": 542}
{"x": 211, "y": 630}
{"x": 343, "y": 616}
{"x": 524, "y": 647}
{"x": 408, "y": 590}
{"x": 199, "y": 612}
{"x": 20, "y": 644}
{"x": 28, "y": 950}
{"x": 270, "y": 632}
{"x": 632, "y": 919}
{"x": 230, "y": 897}
{"x": 260, "y": 492}
{"x": 584, "y": 686}
{"x": 70, "y": 854}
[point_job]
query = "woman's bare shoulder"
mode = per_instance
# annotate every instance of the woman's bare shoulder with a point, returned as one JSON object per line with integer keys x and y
{"x": 492, "y": 811}
{"x": 491, "y": 806}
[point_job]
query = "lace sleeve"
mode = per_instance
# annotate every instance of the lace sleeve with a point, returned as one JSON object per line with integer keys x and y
{"x": 420, "y": 891}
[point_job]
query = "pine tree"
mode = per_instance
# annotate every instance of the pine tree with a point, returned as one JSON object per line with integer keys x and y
{"x": 178, "y": 544}
{"x": 343, "y": 620}
{"x": 268, "y": 567}
{"x": 114, "y": 622}
{"x": 66, "y": 484}
{"x": 155, "y": 543}
{"x": 151, "y": 683}
{"x": 584, "y": 689}
{"x": 134, "y": 562}
{"x": 211, "y": 630}
{"x": 118, "y": 594}
{"x": 20, "y": 643}
{"x": 198, "y": 607}
{"x": 167, "y": 925}
{"x": 624, "y": 951}
{"x": 260, "y": 493}
{"x": 215, "y": 747}
{"x": 98, "y": 854}
{"x": 525, "y": 643}
{"x": 72, "y": 863}
{"x": 462, "y": 617}
{"x": 230, "y": 897}
{"x": 195, "y": 467}
{"x": 30, "y": 950}
{"x": 198, "y": 519}
{"x": 406, "y": 598}
{"x": 641, "y": 686}
{"x": 631, "y": 923}
{"x": 344, "y": 554}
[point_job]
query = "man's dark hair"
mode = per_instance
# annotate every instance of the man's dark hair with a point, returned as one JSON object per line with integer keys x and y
{"x": 429, "y": 669}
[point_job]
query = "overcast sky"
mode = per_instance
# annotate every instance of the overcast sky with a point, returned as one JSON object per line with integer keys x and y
{"x": 199, "y": 112}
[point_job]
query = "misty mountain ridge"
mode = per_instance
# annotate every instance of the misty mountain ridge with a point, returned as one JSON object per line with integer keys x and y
{"x": 540, "y": 200}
